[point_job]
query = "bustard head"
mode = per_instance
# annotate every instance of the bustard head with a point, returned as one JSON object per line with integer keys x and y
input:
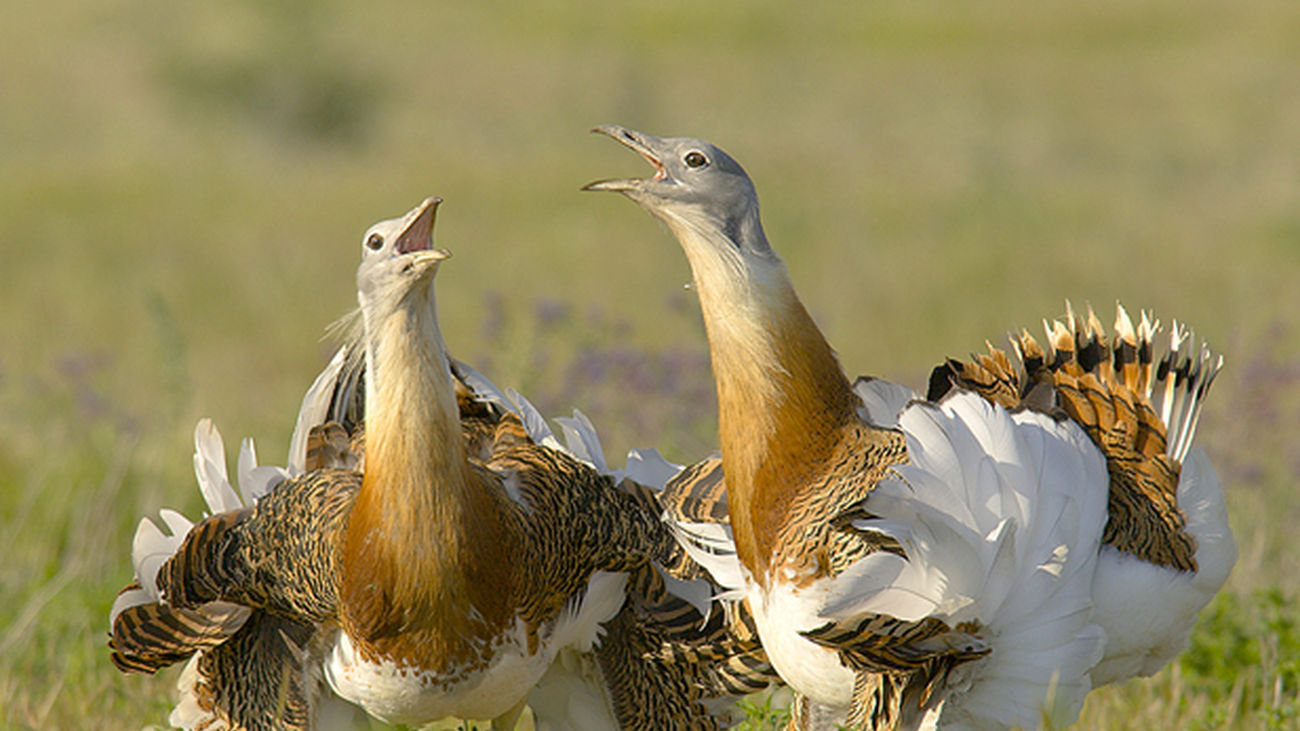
{"x": 398, "y": 260}
{"x": 696, "y": 185}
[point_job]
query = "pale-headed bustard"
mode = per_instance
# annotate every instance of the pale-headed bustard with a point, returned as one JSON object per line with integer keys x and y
{"x": 440, "y": 581}
{"x": 913, "y": 563}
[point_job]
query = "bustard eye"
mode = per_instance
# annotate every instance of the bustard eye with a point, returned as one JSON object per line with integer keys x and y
{"x": 696, "y": 159}
{"x": 375, "y": 242}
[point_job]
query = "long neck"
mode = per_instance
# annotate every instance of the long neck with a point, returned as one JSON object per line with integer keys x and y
{"x": 408, "y": 561}
{"x": 416, "y": 459}
{"x": 783, "y": 399}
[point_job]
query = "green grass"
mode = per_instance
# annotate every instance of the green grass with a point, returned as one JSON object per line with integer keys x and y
{"x": 183, "y": 189}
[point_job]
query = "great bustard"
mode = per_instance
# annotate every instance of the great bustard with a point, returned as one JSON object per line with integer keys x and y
{"x": 441, "y": 581}
{"x": 908, "y": 562}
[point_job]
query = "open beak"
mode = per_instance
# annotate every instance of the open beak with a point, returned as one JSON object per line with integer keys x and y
{"x": 415, "y": 243}
{"x": 637, "y": 141}
{"x": 417, "y": 233}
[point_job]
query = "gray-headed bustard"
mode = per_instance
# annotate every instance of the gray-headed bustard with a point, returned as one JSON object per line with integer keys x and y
{"x": 938, "y": 563}
{"x": 441, "y": 580}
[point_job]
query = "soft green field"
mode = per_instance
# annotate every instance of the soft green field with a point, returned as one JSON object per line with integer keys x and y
{"x": 183, "y": 188}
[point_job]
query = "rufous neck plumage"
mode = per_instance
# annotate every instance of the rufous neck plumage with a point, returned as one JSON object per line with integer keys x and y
{"x": 411, "y": 547}
{"x": 783, "y": 399}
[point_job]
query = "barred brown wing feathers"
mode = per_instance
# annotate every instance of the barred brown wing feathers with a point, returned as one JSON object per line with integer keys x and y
{"x": 698, "y": 493}
{"x": 887, "y": 701}
{"x": 1114, "y": 417}
{"x": 816, "y": 540}
{"x": 265, "y": 677}
{"x": 660, "y": 546}
{"x": 881, "y": 643}
{"x": 1087, "y": 401}
{"x": 660, "y": 643}
{"x": 1149, "y": 439}
{"x": 509, "y": 433}
{"x": 218, "y": 581}
{"x": 646, "y": 690}
{"x": 1144, "y": 516}
{"x": 148, "y": 637}
{"x": 278, "y": 555}
{"x": 196, "y": 574}
{"x": 727, "y": 638}
{"x": 574, "y": 522}
{"x": 732, "y": 665}
{"x": 877, "y": 700}
{"x": 992, "y": 376}
{"x": 878, "y": 703}
{"x": 746, "y": 672}
{"x": 725, "y": 646}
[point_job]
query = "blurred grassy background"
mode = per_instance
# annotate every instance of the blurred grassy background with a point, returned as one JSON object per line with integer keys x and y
{"x": 183, "y": 188}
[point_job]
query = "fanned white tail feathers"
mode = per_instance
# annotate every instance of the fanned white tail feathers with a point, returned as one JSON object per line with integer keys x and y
{"x": 1000, "y": 517}
{"x": 1148, "y": 610}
